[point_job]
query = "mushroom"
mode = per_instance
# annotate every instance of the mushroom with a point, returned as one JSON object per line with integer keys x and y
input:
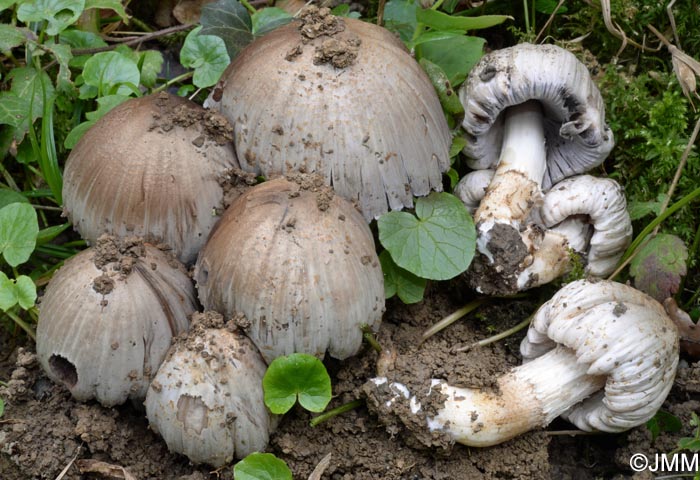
{"x": 342, "y": 98}
{"x": 603, "y": 355}
{"x": 534, "y": 114}
{"x": 472, "y": 188}
{"x": 583, "y": 214}
{"x": 107, "y": 317}
{"x": 150, "y": 168}
{"x": 206, "y": 400}
{"x": 300, "y": 263}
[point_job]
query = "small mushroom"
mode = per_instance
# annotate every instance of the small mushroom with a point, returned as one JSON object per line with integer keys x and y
{"x": 150, "y": 167}
{"x": 533, "y": 113}
{"x": 342, "y": 98}
{"x": 207, "y": 399}
{"x": 300, "y": 263}
{"x": 107, "y": 318}
{"x": 603, "y": 355}
{"x": 472, "y": 188}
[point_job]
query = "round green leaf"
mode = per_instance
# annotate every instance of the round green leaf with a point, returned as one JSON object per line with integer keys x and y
{"x": 26, "y": 292}
{"x": 9, "y": 196}
{"x": 437, "y": 245}
{"x": 261, "y": 466}
{"x": 19, "y": 228}
{"x": 207, "y": 55}
{"x": 398, "y": 281}
{"x": 107, "y": 70}
{"x": 296, "y": 375}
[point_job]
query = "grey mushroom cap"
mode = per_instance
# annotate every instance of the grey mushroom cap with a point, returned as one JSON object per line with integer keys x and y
{"x": 621, "y": 334}
{"x": 577, "y": 137}
{"x": 472, "y": 188}
{"x": 367, "y": 119}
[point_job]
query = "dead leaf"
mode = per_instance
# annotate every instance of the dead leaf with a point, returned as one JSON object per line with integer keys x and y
{"x": 103, "y": 468}
{"x": 688, "y": 331}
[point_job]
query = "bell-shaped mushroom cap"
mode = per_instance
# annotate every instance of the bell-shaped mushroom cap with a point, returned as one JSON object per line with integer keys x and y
{"x": 577, "y": 137}
{"x": 107, "y": 318}
{"x": 603, "y": 201}
{"x": 150, "y": 167}
{"x": 207, "y": 399}
{"x": 300, "y": 263}
{"x": 341, "y": 98}
{"x": 618, "y": 332}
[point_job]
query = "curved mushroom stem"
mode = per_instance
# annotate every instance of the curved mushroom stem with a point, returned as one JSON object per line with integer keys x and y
{"x": 516, "y": 184}
{"x": 529, "y": 396}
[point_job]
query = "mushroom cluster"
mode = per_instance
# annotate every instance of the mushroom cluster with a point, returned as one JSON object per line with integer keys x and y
{"x": 602, "y": 355}
{"x": 533, "y": 117}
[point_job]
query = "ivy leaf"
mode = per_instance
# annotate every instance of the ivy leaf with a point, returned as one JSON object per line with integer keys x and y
{"x": 14, "y": 112}
{"x": 9, "y": 196}
{"x": 658, "y": 267}
{"x": 150, "y": 64}
{"x": 59, "y": 14}
{"x": 63, "y": 55}
{"x": 10, "y": 37}
{"x": 27, "y": 84}
{"x": 442, "y": 21}
{"x": 268, "y": 19}
{"x": 398, "y": 281}
{"x": 298, "y": 375}
{"x": 18, "y": 231}
{"x": 437, "y": 245}
{"x": 115, "y": 5}
{"x": 400, "y": 17}
{"x": 230, "y": 21}
{"x": 456, "y": 55}
{"x": 107, "y": 71}
{"x": 261, "y": 466}
{"x": 206, "y": 54}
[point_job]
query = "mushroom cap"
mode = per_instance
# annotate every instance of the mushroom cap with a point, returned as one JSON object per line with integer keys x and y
{"x": 603, "y": 201}
{"x": 107, "y": 318}
{"x": 300, "y": 263}
{"x": 472, "y": 188}
{"x": 371, "y": 125}
{"x": 618, "y": 332}
{"x": 207, "y": 400}
{"x": 150, "y": 167}
{"x": 576, "y": 135}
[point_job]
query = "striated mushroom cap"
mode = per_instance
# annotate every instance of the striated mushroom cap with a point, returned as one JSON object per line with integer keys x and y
{"x": 300, "y": 263}
{"x": 577, "y": 137}
{"x": 150, "y": 167}
{"x": 472, "y": 188}
{"x": 341, "y": 98}
{"x": 619, "y": 333}
{"x": 207, "y": 399}
{"x": 107, "y": 318}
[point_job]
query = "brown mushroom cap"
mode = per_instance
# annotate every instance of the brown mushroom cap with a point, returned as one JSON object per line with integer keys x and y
{"x": 341, "y": 98}
{"x": 300, "y": 263}
{"x": 150, "y": 168}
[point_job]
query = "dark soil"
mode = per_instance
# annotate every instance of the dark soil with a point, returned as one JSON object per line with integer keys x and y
{"x": 43, "y": 429}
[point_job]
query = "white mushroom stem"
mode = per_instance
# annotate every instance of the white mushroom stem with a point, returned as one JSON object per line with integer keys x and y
{"x": 529, "y": 396}
{"x": 516, "y": 184}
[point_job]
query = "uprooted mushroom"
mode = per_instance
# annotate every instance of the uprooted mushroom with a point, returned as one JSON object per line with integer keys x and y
{"x": 534, "y": 114}
{"x": 602, "y": 355}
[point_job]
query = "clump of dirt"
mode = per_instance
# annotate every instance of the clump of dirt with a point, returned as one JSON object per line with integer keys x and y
{"x": 317, "y": 22}
{"x": 311, "y": 182}
{"x": 339, "y": 53}
{"x": 235, "y": 182}
{"x": 122, "y": 252}
{"x": 103, "y": 284}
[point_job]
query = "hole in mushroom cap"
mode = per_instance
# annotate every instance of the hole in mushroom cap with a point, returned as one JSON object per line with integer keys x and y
{"x": 193, "y": 413}
{"x": 64, "y": 370}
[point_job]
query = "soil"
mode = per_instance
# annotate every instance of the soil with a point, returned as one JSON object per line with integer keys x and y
{"x": 44, "y": 430}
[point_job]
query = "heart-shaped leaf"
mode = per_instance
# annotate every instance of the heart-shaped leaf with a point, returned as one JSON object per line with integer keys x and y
{"x": 111, "y": 73}
{"x": 58, "y": 13}
{"x": 207, "y": 55}
{"x": 18, "y": 231}
{"x": 295, "y": 376}
{"x": 261, "y": 466}
{"x": 398, "y": 281}
{"x": 437, "y": 245}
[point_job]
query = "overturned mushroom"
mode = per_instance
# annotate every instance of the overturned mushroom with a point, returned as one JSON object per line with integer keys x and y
{"x": 603, "y": 355}
{"x": 207, "y": 399}
{"x": 150, "y": 167}
{"x": 534, "y": 114}
{"x": 342, "y": 98}
{"x": 300, "y": 263}
{"x": 107, "y": 318}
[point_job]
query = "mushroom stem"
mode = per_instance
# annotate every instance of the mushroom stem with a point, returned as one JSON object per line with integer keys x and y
{"x": 529, "y": 396}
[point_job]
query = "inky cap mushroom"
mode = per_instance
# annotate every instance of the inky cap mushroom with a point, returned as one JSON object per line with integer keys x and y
{"x": 342, "y": 98}
{"x": 603, "y": 355}
{"x": 107, "y": 318}
{"x": 150, "y": 167}
{"x": 300, "y": 263}
{"x": 207, "y": 399}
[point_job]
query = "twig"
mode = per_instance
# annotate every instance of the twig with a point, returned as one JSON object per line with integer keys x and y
{"x": 495, "y": 338}
{"x": 70, "y": 464}
{"x": 549, "y": 20}
{"x": 132, "y": 40}
{"x": 336, "y": 411}
{"x": 572, "y": 433}
{"x": 453, "y": 317}
{"x": 368, "y": 335}
{"x": 380, "y": 12}
{"x": 321, "y": 467}
{"x": 617, "y": 31}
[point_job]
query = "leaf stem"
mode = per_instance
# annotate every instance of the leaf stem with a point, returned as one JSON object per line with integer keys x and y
{"x": 248, "y": 7}
{"x": 453, "y": 317}
{"x": 336, "y": 411}
{"x": 172, "y": 81}
{"x": 368, "y": 335}
{"x": 15, "y": 318}
{"x": 495, "y": 338}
